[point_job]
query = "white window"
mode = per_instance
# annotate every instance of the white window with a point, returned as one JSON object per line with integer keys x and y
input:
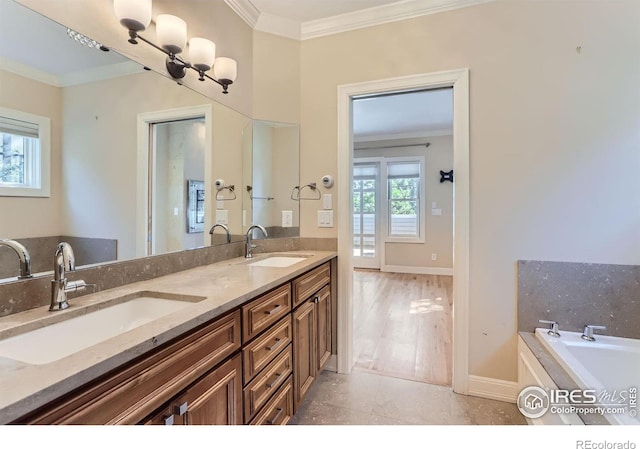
{"x": 24, "y": 154}
{"x": 405, "y": 195}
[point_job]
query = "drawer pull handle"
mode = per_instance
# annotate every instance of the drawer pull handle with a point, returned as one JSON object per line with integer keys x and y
{"x": 316, "y": 299}
{"x": 274, "y": 310}
{"x": 168, "y": 420}
{"x": 279, "y": 342}
{"x": 275, "y": 418}
{"x": 180, "y": 409}
{"x": 274, "y": 381}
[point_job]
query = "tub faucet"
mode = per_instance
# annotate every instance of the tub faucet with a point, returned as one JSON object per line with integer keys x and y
{"x": 554, "y": 327}
{"x": 63, "y": 261}
{"x": 588, "y": 331}
{"x": 249, "y": 246}
{"x": 23, "y": 255}
{"x": 226, "y": 229}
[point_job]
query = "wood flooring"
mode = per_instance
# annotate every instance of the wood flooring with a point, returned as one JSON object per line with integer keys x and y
{"x": 403, "y": 325}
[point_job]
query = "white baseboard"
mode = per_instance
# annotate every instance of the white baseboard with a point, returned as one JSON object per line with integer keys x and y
{"x": 489, "y": 388}
{"x": 417, "y": 270}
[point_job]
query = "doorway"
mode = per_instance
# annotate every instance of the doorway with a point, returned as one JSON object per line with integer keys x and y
{"x": 174, "y": 173}
{"x": 459, "y": 80}
{"x": 403, "y": 234}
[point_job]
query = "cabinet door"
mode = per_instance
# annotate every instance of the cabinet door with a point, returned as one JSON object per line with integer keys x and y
{"x": 304, "y": 350}
{"x": 217, "y": 397}
{"x": 323, "y": 316}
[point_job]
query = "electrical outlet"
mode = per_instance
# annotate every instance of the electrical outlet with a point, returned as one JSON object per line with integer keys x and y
{"x": 287, "y": 218}
{"x": 434, "y": 256}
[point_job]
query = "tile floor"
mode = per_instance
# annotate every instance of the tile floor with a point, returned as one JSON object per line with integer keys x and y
{"x": 362, "y": 398}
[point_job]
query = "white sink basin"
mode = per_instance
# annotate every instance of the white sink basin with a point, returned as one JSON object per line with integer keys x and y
{"x": 277, "y": 261}
{"x": 55, "y": 341}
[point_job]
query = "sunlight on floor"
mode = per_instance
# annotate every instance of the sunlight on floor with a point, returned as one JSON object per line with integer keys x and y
{"x": 425, "y": 306}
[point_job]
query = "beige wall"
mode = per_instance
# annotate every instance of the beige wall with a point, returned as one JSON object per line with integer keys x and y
{"x": 276, "y": 78}
{"x": 554, "y": 137}
{"x": 210, "y": 19}
{"x": 33, "y": 217}
{"x": 439, "y": 228}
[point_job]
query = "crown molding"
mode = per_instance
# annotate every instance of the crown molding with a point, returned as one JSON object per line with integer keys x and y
{"x": 383, "y": 139}
{"x": 246, "y": 11}
{"x": 393, "y": 12}
{"x": 73, "y": 78}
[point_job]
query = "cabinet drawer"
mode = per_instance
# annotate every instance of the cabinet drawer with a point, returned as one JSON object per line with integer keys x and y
{"x": 261, "y": 351}
{"x": 309, "y": 283}
{"x": 264, "y": 311}
{"x": 279, "y": 409}
{"x": 129, "y": 394}
{"x": 260, "y": 389}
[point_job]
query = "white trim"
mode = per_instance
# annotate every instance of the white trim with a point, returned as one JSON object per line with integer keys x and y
{"x": 73, "y": 78}
{"x": 438, "y": 271}
{"x": 497, "y": 389}
{"x": 459, "y": 79}
{"x": 246, "y": 11}
{"x": 145, "y": 120}
{"x": 379, "y": 15}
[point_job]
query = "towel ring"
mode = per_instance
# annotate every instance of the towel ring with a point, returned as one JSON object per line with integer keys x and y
{"x": 230, "y": 189}
{"x": 297, "y": 190}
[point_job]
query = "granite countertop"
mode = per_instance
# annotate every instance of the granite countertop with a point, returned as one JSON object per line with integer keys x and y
{"x": 223, "y": 285}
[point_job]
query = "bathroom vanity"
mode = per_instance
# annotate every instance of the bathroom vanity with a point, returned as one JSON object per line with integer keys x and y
{"x": 244, "y": 349}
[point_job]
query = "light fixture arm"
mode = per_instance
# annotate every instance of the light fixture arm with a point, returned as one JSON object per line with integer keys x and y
{"x": 176, "y": 66}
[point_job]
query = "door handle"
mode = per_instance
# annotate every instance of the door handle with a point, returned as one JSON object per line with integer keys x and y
{"x": 181, "y": 409}
{"x": 279, "y": 342}
{"x": 274, "y": 380}
{"x": 168, "y": 420}
{"x": 274, "y": 310}
{"x": 275, "y": 418}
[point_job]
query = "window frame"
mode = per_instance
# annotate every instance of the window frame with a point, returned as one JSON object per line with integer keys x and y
{"x": 422, "y": 216}
{"x": 42, "y": 172}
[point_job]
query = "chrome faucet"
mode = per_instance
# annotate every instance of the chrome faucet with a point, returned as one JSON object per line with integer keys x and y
{"x": 587, "y": 334}
{"x": 23, "y": 254}
{"x": 63, "y": 261}
{"x": 553, "y": 331}
{"x": 226, "y": 229}
{"x": 249, "y": 246}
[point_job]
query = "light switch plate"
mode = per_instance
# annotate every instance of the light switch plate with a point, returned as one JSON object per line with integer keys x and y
{"x": 287, "y": 218}
{"x": 222, "y": 217}
{"x": 436, "y": 211}
{"x": 325, "y": 219}
{"x": 219, "y": 204}
{"x": 327, "y": 201}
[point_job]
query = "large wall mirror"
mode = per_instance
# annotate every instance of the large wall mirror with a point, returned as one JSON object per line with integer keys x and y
{"x": 133, "y": 155}
{"x": 271, "y": 171}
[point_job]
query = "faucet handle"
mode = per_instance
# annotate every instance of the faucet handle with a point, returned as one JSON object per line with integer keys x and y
{"x": 587, "y": 334}
{"x": 554, "y": 327}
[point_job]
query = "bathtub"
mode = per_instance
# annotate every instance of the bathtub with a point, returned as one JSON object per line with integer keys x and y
{"x": 607, "y": 364}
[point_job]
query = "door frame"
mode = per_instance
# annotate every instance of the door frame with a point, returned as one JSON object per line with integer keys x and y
{"x": 145, "y": 121}
{"x": 459, "y": 80}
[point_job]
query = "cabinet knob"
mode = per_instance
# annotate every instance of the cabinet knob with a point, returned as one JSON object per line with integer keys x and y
{"x": 180, "y": 409}
{"x": 168, "y": 420}
{"x": 316, "y": 299}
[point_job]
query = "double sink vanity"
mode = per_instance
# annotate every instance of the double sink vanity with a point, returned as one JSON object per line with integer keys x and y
{"x": 234, "y": 342}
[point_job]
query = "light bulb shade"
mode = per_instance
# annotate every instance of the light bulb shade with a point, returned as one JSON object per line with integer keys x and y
{"x": 202, "y": 53}
{"x": 133, "y": 14}
{"x": 225, "y": 69}
{"x": 171, "y": 32}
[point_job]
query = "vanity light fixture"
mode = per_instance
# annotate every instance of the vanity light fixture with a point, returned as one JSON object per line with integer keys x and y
{"x": 84, "y": 40}
{"x": 171, "y": 34}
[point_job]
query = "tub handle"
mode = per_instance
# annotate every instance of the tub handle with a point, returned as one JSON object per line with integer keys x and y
{"x": 588, "y": 331}
{"x": 554, "y": 327}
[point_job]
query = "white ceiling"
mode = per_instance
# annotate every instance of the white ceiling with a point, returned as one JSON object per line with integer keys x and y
{"x": 403, "y": 116}
{"x": 308, "y": 10}
{"x": 33, "y": 45}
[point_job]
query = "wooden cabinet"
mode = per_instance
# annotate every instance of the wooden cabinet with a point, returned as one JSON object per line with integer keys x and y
{"x": 253, "y": 365}
{"x": 312, "y": 330}
{"x": 129, "y": 394}
{"x": 216, "y": 398}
